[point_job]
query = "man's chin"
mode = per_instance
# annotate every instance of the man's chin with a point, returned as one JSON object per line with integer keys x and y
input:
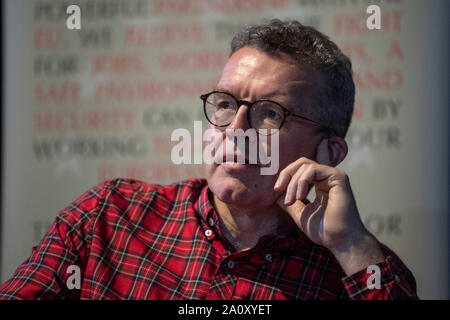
{"x": 239, "y": 184}
{"x": 236, "y": 174}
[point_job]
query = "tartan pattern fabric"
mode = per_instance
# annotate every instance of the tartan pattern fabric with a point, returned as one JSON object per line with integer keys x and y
{"x": 135, "y": 240}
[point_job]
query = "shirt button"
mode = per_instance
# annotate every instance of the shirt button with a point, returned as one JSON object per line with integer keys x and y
{"x": 211, "y": 222}
{"x": 208, "y": 233}
{"x": 397, "y": 278}
{"x": 230, "y": 264}
{"x": 268, "y": 257}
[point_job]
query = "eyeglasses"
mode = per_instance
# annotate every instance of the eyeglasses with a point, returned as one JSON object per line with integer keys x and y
{"x": 221, "y": 107}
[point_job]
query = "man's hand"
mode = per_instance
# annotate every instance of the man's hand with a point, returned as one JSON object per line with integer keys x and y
{"x": 332, "y": 219}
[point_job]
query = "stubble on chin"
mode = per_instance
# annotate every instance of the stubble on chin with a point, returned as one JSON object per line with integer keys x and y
{"x": 246, "y": 190}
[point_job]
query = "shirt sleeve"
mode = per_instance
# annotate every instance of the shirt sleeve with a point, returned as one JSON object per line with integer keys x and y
{"x": 46, "y": 273}
{"x": 387, "y": 280}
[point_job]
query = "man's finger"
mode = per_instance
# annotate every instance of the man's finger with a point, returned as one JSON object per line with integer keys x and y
{"x": 304, "y": 185}
{"x": 287, "y": 173}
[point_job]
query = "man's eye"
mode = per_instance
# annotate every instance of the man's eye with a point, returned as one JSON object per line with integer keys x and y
{"x": 225, "y": 105}
{"x": 272, "y": 115}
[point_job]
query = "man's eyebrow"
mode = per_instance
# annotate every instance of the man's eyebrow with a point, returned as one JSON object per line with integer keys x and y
{"x": 280, "y": 99}
{"x": 223, "y": 90}
{"x": 272, "y": 96}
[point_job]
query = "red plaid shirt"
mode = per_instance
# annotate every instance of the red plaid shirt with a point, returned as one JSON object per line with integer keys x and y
{"x": 134, "y": 240}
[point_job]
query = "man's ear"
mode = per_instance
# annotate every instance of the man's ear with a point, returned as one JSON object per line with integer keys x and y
{"x": 331, "y": 151}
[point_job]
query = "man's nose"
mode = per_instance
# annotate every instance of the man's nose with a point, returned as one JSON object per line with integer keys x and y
{"x": 240, "y": 120}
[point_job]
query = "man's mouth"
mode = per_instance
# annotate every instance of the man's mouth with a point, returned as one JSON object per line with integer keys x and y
{"x": 238, "y": 159}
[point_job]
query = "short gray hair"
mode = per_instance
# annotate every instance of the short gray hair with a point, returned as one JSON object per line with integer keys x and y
{"x": 306, "y": 45}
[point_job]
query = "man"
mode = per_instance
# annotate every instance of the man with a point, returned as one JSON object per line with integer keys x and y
{"x": 239, "y": 234}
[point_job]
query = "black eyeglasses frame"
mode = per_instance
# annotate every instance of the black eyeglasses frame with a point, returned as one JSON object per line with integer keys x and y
{"x": 250, "y": 104}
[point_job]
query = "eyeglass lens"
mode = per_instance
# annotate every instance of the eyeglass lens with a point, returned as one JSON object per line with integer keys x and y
{"x": 220, "y": 109}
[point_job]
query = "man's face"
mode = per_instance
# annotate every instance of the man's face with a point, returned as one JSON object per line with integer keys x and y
{"x": 252, "y": 75}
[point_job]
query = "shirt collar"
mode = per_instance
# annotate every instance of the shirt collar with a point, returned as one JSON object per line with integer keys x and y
{"x": 208, "y": 214}
{"x": 203, "y": 205}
